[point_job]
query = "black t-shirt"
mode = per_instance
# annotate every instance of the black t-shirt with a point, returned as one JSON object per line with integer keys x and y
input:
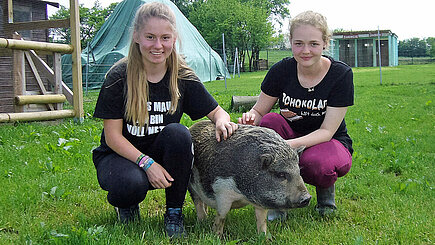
{"x": 335, "y": 90}
{"x": 195, "y": 101}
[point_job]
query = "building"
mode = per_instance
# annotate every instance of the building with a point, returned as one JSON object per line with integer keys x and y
{"x": 360, "y": 48}
{"x": 22, "y": 11}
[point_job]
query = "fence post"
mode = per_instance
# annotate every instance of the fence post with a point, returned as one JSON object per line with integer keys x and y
{"x": 379, "y": 53}
{"x": 209, "y": 59}
{"x": 225, "y": 59}
{"x": 76, "y": 61}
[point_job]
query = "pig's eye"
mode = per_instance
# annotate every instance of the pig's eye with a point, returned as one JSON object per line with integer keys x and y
{"x": 281, "y": 175}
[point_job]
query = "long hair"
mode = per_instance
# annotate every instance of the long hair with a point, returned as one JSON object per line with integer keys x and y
{"x": 136, "y": 109}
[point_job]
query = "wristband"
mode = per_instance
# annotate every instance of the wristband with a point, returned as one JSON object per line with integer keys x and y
{"x": 149, "y": 163}
{"x": 140, "y": 158}
{"x": 143, "y": 161}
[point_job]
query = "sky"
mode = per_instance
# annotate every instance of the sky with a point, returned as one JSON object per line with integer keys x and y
{"x": 407, "y": 19}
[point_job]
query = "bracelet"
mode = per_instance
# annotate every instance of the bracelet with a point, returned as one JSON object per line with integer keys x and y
{"x": 144, "y": 161}
{"x": 140, "y": 158}
{"x": 149, "y": 163}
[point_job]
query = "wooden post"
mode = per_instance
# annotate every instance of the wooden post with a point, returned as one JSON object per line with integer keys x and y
{"x": 37, "y": 77}
{"x": 39, "y": 99}
{"x": 243, "y": 103}
{"x": 49, "y": 73}
{"x": 19, "y": 77}
{"x": 10, "y": 12}
{"x": 34, "y": 45}
{"x": 76, "y": 61}
{"x": 57, "y": 77}
{"x": 36, "y": 116}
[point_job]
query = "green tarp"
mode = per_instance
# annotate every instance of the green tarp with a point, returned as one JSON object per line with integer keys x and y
{"x": 112, "y": 41}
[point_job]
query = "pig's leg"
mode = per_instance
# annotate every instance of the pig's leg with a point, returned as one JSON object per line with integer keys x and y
{"x": 261, "y": 215}
{"x": 223, "y": 207}
{"x": 201, "y": 210}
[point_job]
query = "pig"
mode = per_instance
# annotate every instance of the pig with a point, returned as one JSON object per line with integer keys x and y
{"x": 254, "y": 166}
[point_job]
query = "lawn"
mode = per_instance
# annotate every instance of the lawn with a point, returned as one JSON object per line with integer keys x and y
{"x": 50, "y": 194}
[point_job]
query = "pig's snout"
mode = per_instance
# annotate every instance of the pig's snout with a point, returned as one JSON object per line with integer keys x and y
{"x": 304, "y": 200}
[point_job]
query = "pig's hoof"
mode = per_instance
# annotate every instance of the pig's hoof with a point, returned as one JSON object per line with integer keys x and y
{"x": 273, "y": 214}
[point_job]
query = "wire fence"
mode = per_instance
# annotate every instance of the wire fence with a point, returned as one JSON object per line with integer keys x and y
{"x": 93, "y": 75}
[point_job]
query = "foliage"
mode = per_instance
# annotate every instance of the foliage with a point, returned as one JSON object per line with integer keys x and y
{"x": 431, "y": 44}
{"x": 91, "y": 20}
{"x": 413, "y": 47}
{"x": 50, "y": 193}
{"x": 246, "y": 24}
{"x": 279, "y": 42}
{"x": 185, "y": 6}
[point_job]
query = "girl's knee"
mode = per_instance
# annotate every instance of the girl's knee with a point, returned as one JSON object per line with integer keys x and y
{"x": 176, "y": 131}
{"x": 316, "y": 175}
{"x": 270, "y": 120}
{"x": 322, "y": 164}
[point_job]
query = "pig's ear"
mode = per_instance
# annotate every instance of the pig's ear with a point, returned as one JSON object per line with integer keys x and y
{"x": 299, "y": 149}
{"x": 266, "y": 159}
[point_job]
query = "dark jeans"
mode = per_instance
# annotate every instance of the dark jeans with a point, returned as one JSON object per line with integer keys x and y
{"x": 127, "y": 184}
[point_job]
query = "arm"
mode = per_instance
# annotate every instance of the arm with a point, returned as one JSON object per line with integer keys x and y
{"x": 223, "y": 123}
{"x": 263, "y": 105}
{"x": 157, "y": 175}
{"x": 333, "y": 118}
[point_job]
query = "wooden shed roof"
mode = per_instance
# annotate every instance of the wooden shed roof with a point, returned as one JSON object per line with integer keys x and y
{"x": 52, "y": 3}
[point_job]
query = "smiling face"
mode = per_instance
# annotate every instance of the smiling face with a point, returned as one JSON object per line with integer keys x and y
{"x": 307, "y": 45}
{"x": 156, "y": 41}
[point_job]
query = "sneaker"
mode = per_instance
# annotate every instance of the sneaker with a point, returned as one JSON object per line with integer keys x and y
{"x": 127, "y": 215}
{"x": 275, "y": 214}
{"x": 174, "y": 223}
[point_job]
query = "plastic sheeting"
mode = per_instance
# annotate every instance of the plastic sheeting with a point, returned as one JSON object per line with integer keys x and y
{"x": 112, "y": 41}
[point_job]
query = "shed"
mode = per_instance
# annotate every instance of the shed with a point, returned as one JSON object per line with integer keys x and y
{"x": 23, "y": 11}
{"x": 360, "y": 48}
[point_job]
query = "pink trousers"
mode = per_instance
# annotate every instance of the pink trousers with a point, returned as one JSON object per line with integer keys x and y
{"x": 321, "y": 164}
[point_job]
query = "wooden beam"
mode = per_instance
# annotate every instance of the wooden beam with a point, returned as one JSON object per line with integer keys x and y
{"x": 10, "y": 12}
{"x": 37, "y": 77}
{"x": 57, "y": 68}
{"x": 49, "y": 73}
{"x": 44, "y": 46}
{"x": 19, "y": 76}
{"x": 37, "y": 25}
{"x": 36, "y": 116}
{"x": 243, "y": 103}
{"x": 76, "y": 60}
{"x": 39, "y": 99}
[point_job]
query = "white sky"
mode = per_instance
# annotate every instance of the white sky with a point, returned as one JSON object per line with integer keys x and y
{"x": 407, "y": 19}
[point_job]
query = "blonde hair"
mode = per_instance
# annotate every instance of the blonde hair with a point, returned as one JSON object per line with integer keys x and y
{"x": 314, "y": 19}
{"x": 137, "y": 84}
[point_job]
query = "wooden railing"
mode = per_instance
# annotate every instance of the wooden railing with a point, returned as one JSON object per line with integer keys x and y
{"x": 25, "y": 51}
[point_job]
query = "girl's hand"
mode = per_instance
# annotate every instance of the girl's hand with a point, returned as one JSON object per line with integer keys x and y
{"x": 158, "y": 176}
{"x": 247, "y": 118}
{"x": 225, "y": 129}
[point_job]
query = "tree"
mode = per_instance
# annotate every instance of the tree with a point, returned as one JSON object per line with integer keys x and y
{"x": 279, "y": 42}
{"x": 431, "y": 44}
{"x": 414, "y": 47}
{"x": 247, "y": 24}
{"x": 91, "y": 21}
{"x": 185, "y": 6}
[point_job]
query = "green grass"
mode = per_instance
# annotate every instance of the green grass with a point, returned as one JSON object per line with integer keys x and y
{"x": 50, "y": 193}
